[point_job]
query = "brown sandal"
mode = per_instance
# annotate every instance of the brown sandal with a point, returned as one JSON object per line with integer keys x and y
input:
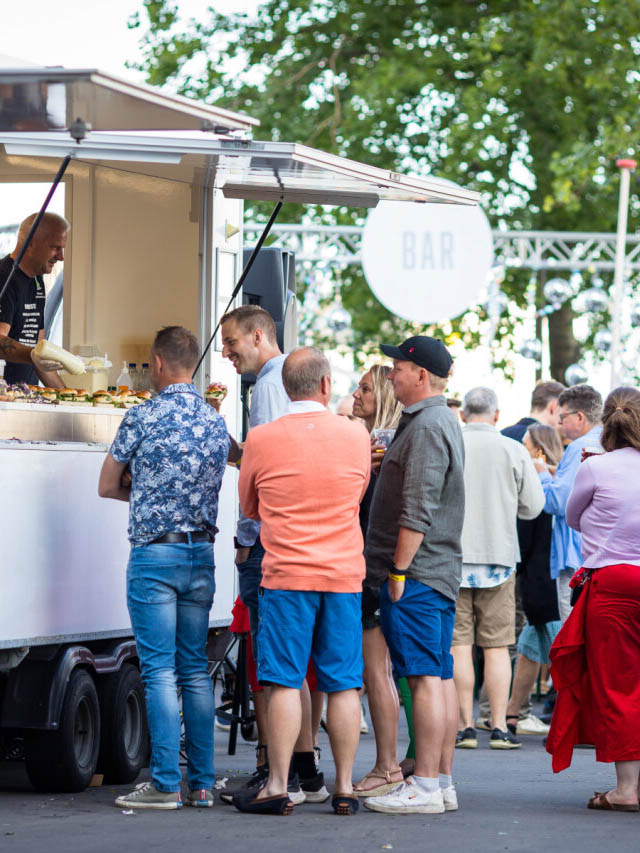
{"x": 600, "y": 801}
{"x": 386, "y": 781}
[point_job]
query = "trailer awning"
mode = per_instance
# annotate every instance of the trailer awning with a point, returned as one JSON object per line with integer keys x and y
{"x": 53, "y": 99}
{"x": 276, "y": 171}
{"x": 46, "y": 113}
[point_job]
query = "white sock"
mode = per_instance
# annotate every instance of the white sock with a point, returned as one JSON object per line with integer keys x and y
{"x": 445, "y": 781}
{"x": 427, "y": 784}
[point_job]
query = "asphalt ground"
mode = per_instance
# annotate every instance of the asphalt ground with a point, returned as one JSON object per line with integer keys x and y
{"x": 509, "y": 801}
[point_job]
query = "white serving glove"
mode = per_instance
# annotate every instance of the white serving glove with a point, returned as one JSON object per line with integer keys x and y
{"x": 44, "y": 364}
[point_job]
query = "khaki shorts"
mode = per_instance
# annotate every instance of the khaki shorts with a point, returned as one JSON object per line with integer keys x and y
{"x": 492, "y": 612}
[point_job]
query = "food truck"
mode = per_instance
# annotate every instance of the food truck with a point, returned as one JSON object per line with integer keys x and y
{"x": 154, "y": 191}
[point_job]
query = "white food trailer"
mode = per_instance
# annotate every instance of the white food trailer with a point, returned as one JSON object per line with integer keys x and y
{"x": 154, "y": 190}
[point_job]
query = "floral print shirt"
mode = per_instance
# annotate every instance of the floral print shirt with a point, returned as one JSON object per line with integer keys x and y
{"x": 176, "y": 446}
{"x": 480, "y": 576}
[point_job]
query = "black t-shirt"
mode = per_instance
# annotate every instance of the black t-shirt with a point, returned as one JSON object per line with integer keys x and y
{"x": 22, "y": 307}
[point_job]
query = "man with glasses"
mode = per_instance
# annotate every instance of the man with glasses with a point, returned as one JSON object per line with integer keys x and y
{"x": 580, "y": 416}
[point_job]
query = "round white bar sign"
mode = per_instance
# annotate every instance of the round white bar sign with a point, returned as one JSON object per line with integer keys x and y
{"x": 426, "y": 262}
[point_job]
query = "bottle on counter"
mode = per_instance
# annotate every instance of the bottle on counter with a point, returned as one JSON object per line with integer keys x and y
{"x": 123, "y": 382}
{"x": 145, "y": 377}
{"x": 135, "y": 376}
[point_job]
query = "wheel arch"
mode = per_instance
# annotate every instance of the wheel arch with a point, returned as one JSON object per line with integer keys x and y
{"x": 35, "y": 691}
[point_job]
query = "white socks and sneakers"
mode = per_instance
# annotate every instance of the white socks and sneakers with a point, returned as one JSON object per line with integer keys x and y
{"x": 419, "y": 794}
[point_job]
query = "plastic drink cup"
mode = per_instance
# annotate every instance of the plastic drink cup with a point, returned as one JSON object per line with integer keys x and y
{"x": 385, "y": 437}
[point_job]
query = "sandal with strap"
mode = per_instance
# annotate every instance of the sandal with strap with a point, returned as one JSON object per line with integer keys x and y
{"x": 378, "y": 782}
{"x": 600, "y": 801}
{"x": 345, "y": 804}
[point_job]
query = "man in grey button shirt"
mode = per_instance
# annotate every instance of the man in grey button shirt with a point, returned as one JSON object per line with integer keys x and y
{"x": 414, "y": 557}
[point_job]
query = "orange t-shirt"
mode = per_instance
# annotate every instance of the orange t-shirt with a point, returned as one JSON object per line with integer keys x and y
{"x": 304, "y": 475}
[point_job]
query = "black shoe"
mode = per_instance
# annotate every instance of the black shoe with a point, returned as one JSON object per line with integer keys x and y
{"x": 252, "y": 786}
{"x": 314, "y": 789}
{"x": 345, "y": 804}
{"x": 503, "y": 740}
{"x": 246, "y": 802}
{"x": 467, "y": 739}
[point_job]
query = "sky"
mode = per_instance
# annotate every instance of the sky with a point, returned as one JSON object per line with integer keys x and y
{"x": 78, "y": 34}
{"x": 86, "y": 33}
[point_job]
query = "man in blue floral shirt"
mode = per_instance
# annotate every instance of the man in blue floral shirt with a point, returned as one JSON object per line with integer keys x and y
{"x": 175, "y": 447}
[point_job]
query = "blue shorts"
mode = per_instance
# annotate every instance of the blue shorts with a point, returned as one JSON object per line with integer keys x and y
{"x": 295, "y": 624}
{"x": 418, "y": 630}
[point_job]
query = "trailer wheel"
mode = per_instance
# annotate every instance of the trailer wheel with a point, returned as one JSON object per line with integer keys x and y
{"x": 124, "y": 743}
{"x": 65, "y": 760}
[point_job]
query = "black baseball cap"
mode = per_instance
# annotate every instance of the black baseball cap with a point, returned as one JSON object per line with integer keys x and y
{"x": 424, "y": 351}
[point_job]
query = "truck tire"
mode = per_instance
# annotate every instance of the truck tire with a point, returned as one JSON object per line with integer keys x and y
{"x": 124, "y": 742}
{"x": 65, "y": 760}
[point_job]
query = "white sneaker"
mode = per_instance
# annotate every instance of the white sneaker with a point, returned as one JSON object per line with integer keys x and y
{"x": 532, "y": 725}
{"x": 407, "y": 798}
{"x": 364, "y": 728}
{"x": 450, "y": 798}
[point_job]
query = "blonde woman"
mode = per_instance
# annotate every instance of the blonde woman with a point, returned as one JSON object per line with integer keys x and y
{"x": 374, "y": 403}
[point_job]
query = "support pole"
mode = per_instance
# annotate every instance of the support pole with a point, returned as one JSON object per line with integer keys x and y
{"x": 626, "y": 167}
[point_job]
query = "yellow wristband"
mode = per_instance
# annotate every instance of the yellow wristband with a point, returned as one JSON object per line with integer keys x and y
{"x": 398, "y": 578}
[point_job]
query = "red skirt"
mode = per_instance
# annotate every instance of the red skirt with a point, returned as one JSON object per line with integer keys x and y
{"x": 595, "y": 666}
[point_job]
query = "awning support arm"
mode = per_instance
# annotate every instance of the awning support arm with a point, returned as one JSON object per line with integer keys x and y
{"x": 36, "y": 222}
{"x": 245, "y": 273}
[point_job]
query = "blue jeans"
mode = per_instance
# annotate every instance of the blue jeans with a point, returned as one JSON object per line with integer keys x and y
{"x": 169, "y": 595}
{"x": 249, "y": 580}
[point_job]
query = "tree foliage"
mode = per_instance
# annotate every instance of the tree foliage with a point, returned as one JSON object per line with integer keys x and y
{"x": 529, "y": 102}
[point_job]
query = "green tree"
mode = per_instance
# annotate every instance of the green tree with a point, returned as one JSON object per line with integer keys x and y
{"x": 527, "y": 101}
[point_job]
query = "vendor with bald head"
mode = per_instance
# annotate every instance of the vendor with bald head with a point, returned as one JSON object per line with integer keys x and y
{"x": 22, "y": 305}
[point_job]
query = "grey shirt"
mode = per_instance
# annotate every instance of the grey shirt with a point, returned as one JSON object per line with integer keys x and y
{"x": 420, "y": 487}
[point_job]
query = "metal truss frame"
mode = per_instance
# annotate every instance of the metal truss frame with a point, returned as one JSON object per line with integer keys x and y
{"x": 535, "y": 250}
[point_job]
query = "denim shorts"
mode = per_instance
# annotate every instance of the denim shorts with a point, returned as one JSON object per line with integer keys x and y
{"x": 536, "y": 641}
{"x": 326, "y": 625}
{"x": 418, "y": 629}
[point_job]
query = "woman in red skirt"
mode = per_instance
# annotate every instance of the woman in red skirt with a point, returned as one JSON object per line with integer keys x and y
{"x": 596, "y": 656}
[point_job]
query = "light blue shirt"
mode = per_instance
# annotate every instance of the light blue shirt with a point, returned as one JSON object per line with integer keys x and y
{"x": 269, "y": 401}
{"x": 566, "y": 544}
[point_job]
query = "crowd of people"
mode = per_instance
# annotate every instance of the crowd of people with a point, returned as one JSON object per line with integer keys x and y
{"x": 393, "y": 547}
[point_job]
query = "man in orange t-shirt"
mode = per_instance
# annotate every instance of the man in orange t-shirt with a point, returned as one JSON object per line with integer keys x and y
{"x": 303, "y": 475}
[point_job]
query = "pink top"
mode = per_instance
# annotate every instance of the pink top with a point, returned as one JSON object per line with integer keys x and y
{"x": 604, "y": 506}
{"x": 304, "y": 476}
